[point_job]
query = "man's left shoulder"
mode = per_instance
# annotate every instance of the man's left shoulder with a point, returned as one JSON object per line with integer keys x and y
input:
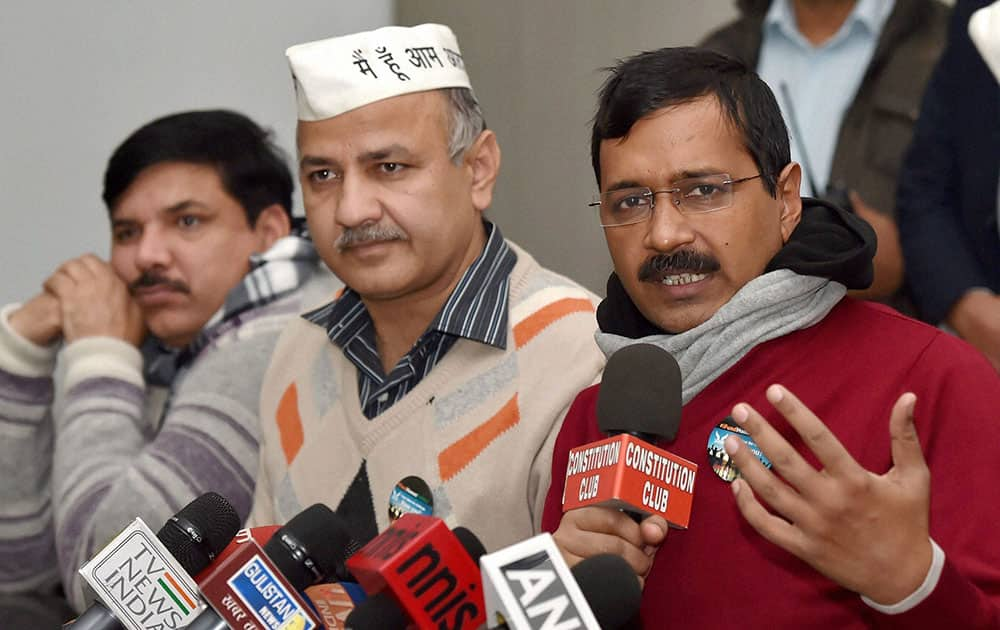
{"x": 870, "y": 327}
{"x": 861, "y": 317}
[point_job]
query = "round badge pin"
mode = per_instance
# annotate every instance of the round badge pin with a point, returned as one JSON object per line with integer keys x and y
{"x": 719, "y": 458}
{"x": 410, "y": 495}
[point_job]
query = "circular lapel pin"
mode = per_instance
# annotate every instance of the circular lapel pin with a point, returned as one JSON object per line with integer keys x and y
{"x": 411, "y": 495}
{"x": 719, "y": 458}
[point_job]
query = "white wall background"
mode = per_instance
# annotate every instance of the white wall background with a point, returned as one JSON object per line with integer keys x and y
{"x": 78, "y": 77}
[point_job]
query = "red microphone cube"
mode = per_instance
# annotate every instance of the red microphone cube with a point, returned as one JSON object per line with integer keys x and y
{"x": 627, "y": 473}
{"x": 428, "y": 571}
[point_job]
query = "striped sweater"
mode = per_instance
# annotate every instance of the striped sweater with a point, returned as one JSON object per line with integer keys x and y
{"x": 83, "y": 450}
{"x": 478, "y": 428}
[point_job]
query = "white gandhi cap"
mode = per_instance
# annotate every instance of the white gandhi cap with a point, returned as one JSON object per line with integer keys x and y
{"x": 336, "y": 75}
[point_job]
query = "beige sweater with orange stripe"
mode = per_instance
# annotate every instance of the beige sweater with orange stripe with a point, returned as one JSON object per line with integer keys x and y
{"x": 479, "y": 429}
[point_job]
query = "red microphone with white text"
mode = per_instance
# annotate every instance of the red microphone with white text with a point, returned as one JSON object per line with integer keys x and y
{"x": 638, "y": 404}
{"x": 256, "y": 587}
{"x": 431, "y": 572}
{"x": 332, "y": 601}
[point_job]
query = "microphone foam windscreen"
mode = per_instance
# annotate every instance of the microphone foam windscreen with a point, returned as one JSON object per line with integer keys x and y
{"x": 311, "y": 546}
{"x": 611, "y": 588}
{"x": 214, "y": 523}
{"x": 471, "y": 542}
{"x": 640, "y": 393}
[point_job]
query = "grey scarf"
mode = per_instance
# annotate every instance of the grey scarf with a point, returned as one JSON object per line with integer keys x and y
{"x": 767, "y": 307}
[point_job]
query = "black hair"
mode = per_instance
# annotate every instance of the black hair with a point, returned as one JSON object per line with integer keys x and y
{"x": 666, "y": 77}
{"x": 252, "y": 168}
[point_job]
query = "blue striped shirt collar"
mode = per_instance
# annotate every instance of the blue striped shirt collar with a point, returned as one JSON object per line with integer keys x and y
{"x": 475, "y": 310}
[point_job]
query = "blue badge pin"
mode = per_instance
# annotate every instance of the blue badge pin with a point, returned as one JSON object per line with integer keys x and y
{"x": 719, "y": 458}
{"x": 410, "y": 495}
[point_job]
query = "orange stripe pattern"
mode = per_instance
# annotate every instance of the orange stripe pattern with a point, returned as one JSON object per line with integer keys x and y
{"x": 290, "y": 423}
{"x": 529, "y": 327}
{"x": 460, "y": 454}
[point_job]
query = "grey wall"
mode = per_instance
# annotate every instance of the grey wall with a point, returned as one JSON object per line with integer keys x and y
{"x": 78, "y": 77}
{"x": 533, "y": 64}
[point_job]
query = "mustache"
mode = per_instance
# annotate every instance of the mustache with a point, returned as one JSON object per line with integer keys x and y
{"x": 369, "y": 233}
{"x": 152, "y": 279}
{"x": 683, "y": 261}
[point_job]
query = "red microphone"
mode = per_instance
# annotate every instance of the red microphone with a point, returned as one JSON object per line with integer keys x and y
{"x": 638, "y": 404}
{"x": 427, "y": 570}
{"x": 256, "y": 586}
{"x": 331, "y": 601}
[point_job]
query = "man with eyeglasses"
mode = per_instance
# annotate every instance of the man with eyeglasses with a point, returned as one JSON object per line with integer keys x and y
{"x": 867, "y": 507}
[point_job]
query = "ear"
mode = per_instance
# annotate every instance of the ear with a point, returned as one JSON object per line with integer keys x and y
{"x": 789, "y": 198}
{"x": 272, "y": 223}
{"x": 483, "y": 161}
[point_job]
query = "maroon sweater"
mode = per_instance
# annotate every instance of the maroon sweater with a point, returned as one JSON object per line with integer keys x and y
{"x": 849, "y": 369}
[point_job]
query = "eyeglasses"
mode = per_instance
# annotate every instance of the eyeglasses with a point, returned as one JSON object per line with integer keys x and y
{"x": 695, "y": 195}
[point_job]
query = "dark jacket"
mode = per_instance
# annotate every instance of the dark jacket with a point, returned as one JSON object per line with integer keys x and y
{"x": 948, "y": 185}
{"x": 878, "y": 125}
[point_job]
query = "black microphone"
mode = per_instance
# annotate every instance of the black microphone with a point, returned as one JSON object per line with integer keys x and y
{"x": 611, "y": 588}
{"x": 379, "y": 612}
{"x": 313, "y": 546}
{"x": 640, "y": 394}
{"x": 194, "y": 536}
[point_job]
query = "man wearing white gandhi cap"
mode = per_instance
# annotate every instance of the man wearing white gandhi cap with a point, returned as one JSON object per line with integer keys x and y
{"x": 437, "y": 381}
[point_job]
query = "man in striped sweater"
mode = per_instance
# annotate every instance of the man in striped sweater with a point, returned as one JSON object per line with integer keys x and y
{"x": 437, "y": 381}
{"x": 101, "y": 422}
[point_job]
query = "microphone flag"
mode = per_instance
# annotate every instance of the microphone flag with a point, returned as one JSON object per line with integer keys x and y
{"x": 334, "y": 601}
{"x": 626, "y": 473}
{"x": 250, "y": 593}
{"x": 426, "y": 569}
{"x": 141, "y": 582}
{"x": 527, "y": 586}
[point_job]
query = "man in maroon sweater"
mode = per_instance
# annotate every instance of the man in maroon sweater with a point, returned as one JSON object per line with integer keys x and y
{"x": 876, "y": 507}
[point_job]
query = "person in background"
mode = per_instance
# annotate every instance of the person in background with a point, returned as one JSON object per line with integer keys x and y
{"x": 849, "y": 76}
{"x": 949, "y": 215}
